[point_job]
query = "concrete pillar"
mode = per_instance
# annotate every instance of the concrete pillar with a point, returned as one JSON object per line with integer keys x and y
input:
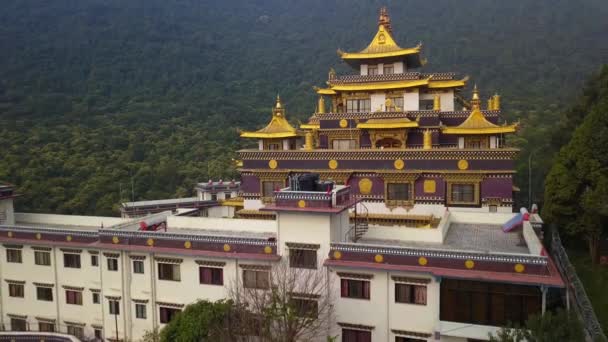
{"x": 543, "y": 289}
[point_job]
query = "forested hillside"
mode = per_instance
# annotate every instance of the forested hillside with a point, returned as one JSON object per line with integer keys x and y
{"x": 98, "y": 94}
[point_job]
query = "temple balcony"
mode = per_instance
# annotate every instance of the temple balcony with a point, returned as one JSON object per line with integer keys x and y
{"x": 334, "y": 198}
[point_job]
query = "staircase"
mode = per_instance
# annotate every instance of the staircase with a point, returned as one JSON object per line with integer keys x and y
{"x": 361, "y": 222}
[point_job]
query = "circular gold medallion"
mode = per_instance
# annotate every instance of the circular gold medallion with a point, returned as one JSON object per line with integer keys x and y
{"x": 68, "y": 238}
{"x": 226, "y": 248}
{"x": 378, "y": 258}
{"x": 365, "y": 186}
{"x": 273, "y": 164}
{"x": 343, "y": 123}
{"x": 337, "y": 255}
{"x": 519, "y": 268}
{"x": 267, "y": 249}
{"x": 187, "y": 244}
{"x": 115, "y": 239}
{"x": 333, "y": 164}
{"x": 301, "y": 204}
{"x": 399, "y": 164}
{"x": 463, "y": 164}
{"x": 469, "y": 264}
{"x": 422, "y": 261}
{"x": 150, "y": 242}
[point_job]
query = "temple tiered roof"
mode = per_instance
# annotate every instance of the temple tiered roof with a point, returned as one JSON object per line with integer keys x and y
{"x": 383, "y": 45}
{"x": 278, "y": 127}
{"x": 388, "y": 123}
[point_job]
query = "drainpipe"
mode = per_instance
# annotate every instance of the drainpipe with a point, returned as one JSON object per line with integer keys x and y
{"x": 1, "y": 302}
{"x": 153, "y": 288}
{"x": 388, "y": 305}
{"x": 126, "y": 294}
{"x": 101, "y": 296}
{"x": 56, "y": 288}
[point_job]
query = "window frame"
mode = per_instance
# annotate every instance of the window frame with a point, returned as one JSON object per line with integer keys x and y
{"x": 75, "y": 330}
{"x": 47, "y": 289}
{"x": 50, "y": 327}
{"x": 305, "y": 307}
{"x": 114, "y": 307}
{"x": 14, "y": 256}
{"x": 94, "y": 260}
{"x": 141, "y": 311}
{"x": 16, "y": 290}
{"x": 274, "y": 182}
{"x": 75, "y": 296}
{"x": 410, "y": 289}
{"x": 138, "y": 269}
{"x": 214, "y": 279}
{"x": 347, "y": 290}
{"x": 112, "y": 264}
{"x": 389, "y": 67}
{"x": 450, "y": 194}
{"x": 172, "y": 275}
{"x": 22, "y": 323}
{"x": 42, "y": 258}
{"x": 261, "y": 281}
{"x": 76, "y": 256}
{"x": 300, "y": 261}
{"x": 169, "y": 314}
{"x": 95, "y": 297}
{"x": 372, "y": 67}
{"x": 347, "y": 335}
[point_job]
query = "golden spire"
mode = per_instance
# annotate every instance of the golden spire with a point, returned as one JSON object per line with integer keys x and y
{"x": 278, "y": 105}
{"x": 475, "y": 101}
{"x": 385, "y": 20}
{"x": 278, "y": 127}
{"x": 496, "y": 102}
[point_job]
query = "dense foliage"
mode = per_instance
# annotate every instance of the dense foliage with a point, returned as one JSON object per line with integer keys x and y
{"x": 201, "y": 321}
{"x": 576, "y": 193}
{"x": 107, "y": 100}
{"x": 552, "y": 326}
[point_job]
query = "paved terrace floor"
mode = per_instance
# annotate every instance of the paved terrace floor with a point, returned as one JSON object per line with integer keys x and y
{"x": 467, "y": 237}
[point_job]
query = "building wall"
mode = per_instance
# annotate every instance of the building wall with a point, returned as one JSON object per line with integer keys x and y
{"x": 410, "y": 100}
{"x": 7, "y": 212}
{"x": 377, "y": 101}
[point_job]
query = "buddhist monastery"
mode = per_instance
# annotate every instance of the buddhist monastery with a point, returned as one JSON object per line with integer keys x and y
{"x": 397, "y": 192}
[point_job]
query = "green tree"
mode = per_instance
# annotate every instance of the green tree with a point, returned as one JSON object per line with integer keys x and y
{"x": 201, "y": 321}
{"x": 550, "y": 327}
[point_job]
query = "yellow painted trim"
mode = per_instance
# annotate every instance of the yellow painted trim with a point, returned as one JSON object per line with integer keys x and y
{"x": 381, "y": 86}
{"x": 489, "y": 130}
{"x": 365, "y": 125}
{"x": 260, "y": 135}
{"x": 325, "y": 91}
{"x": 310, "y": 126}
{"x": 363, "y": 55}
{"x": 447, "y": 84}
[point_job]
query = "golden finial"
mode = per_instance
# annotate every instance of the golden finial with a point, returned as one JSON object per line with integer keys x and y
{"x": 278, "y": 105}
{"x": 475, "y": 92}
{"x": 475, "y": 101}
{"x": 496, "y": 102}
{"x": 384, "y": 19}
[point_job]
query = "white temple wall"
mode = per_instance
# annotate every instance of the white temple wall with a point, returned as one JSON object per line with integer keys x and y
{"x": 377, "y": 102}
{"x": 410, "y": 100}
{"x": 398, "y": 67}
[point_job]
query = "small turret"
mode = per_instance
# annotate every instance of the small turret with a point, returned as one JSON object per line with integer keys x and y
{"x": 321, "y": 105}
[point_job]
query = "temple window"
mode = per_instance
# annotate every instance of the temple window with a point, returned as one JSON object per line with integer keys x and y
{"x": 398, "y": 191}
{"x": 358, "y": 289}
{"x": 463, "y": 193}
{"x": 302, "y": 258}
{"x": 169, "y": 272}
{"x": 274, "y": 145}
{"x": 425, "y": 104}
{"x": 389, "y": 143}
{"x": 394, "y": 104}
{"x": 372, "y": 70}
{"x": 344, "y": 144}
{"x": 269, "y": 187}
{"x": 410, "y": 294}
{"x": 254, "y": 279}
{"x": 476, "y": 142}
{"x": 358, "y": 105}
{"x": 353, "y": 335}
{"x": 388, "y": 69}
{"x": 305, "y": 307}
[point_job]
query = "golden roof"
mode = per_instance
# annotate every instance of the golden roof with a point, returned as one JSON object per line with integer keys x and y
{"x": 278, "y": 127}
{"x": 387, "y": 123}
{"x": 477, "y": 123}
{"x": 383, "y": 45}
{"x": 448, "y": 83}
{"x": 326, "y": 91}
{"x": 380, "y": 85}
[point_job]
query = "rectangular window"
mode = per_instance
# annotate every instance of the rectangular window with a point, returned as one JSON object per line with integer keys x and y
{"x": 44, "y": 293}
{"x": 358, "y": 105}
{"x": 256, "y": 279}
{"x": 372, "y": 70}
{"x": 18, "y": 324}
{"x": 269, "y": 187}
{"x": 227, "y": 195}
{"x": 138, "y": 266}
{"x": 352, "y": 335}
{"x": 409, "y": 339}
{"x": 411, "y": 294}
{"x": 426, "y": 104}
{"x": 274, "y": 146}
{"x": 168, "y": 272}
{"x": 95, "y": 298}
{"x": 214, "y": 197}
{"x": 476, "y": 142}
{"x": 46, "y": 327}
{"x": 303, "y": 258}
{"x": 394, "y": 104}
{"x": 71, "y": 260}
{"x": 13, "y": 255}
{"x": 167, "y": 314}
{"x": 94, "y": 260}
{"x": 112, "y": 264}
{"x": 308, "y": 308}
{"x": 76, "y": 331}
{"x": 350, "y": 288}
{"x": 16, "y": 290}
{"x": 98, "y": 334}
{"x": 140, "y": 311}
{"x": 463, "y": 193}
{"x": 344, "y": 144}
{"x": 211, "y": 275}
{"x": 42, "y": 258}
{"x": 388, "y": 69}
{"x": 73, "y": 297}
{"x": 114, "y": 307}
{"x": 398, "y": 191}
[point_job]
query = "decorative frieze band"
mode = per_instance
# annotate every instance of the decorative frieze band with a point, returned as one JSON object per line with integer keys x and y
{"x": 73, "y": 288}
{"x": 255, "y": 267}
{"x": 355, "y": 275}
{"x": 45, "y": 319}
{"x": 113, "y": 297}
{"x": 16, "y": 282}
{"x": 356, "y": 326}
{"x": 211, "y": 263}
{"x": 111, "y": 255}
{"x": 78, "y": 324}
{"x": 93, "y": 252}
{"x": 137, "y": 257}
{"x": 170, "y": 305}
{"x": 95, "y": 290}
{"x": 11, "y": 246}
{"x": 42, "y": 249}
{"x": 16, "y": 316}
{"x": 140, "y": 301}
{"x": 168, "y": 260}
{"x": 411, "y": 333}
{"x": 296, "y": 245}
{"x": 421, "y": 281}
{"x": 44, "y": 284}
{"x": 71, "y": 250}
